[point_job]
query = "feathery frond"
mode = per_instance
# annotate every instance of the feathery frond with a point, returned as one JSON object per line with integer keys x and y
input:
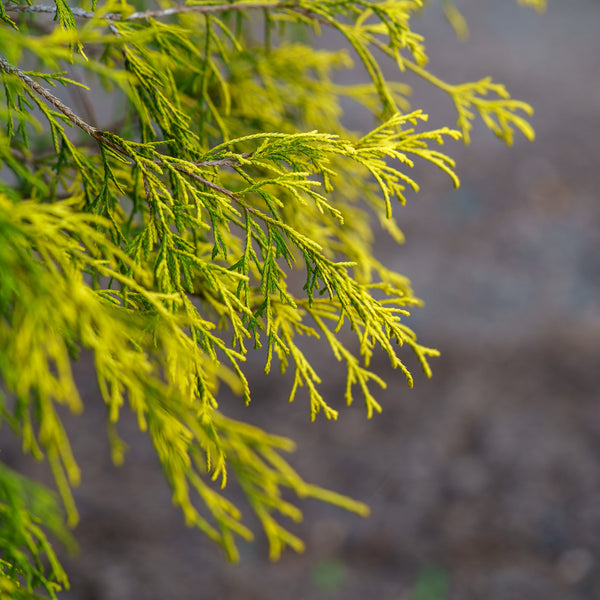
{"x": 218, "y": 206}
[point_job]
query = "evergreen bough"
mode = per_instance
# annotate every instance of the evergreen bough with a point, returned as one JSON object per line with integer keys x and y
{"x": 162, "y": 241}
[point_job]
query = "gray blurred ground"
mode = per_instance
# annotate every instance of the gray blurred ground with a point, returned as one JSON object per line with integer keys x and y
{"x": 484, "y": 482}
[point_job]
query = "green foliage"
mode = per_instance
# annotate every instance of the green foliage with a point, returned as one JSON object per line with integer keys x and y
{"x": 226, "y": 209}
{"x": 27, "y": 555}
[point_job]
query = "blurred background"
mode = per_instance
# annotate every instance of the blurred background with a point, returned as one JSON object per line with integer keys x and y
{"x": 484, "y": 482}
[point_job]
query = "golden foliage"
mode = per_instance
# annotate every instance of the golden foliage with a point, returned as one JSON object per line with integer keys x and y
{"x": 162, "y": 242}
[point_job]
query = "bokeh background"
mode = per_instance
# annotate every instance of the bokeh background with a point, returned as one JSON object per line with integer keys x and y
{"x": 484, "y": 482}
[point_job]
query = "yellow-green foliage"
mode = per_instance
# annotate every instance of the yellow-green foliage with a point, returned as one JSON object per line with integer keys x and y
{"x": 162, "y": 241}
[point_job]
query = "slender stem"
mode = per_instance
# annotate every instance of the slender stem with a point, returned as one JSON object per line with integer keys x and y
{"x": 211, "y": 8}
{"x": 96, "y": 134}
{"x": 156, "y": 14}
{"x": 207, "y": 183}
{"x": 228, "y": 161}
{"x": 47, "y": 8}
{"x": 415, "y": 68}
{"x": 49, "y": 97}
{"x": 427, "y": 76}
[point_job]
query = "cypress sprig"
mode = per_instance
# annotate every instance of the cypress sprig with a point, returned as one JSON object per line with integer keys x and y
{"x": 221, "y": 209}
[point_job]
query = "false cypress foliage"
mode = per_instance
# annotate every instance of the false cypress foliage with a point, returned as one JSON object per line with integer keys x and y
{"x": 161, "y": 240}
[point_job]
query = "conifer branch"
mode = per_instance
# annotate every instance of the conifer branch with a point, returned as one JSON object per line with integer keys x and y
{"x": 498, "y": 113}
{"x": 224, "y": 162}
{"x": 98, "y": 134}
{"x": 46, "y": 9}
{"x": 201, "y": 9}
{"x": 153, "y": 14}
{"x": 229, "y": 169}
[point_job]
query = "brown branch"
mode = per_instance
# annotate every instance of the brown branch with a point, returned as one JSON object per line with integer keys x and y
{"x": 47, "y": 8}
{"x": 96, "y": 134}
{"x": 229, "y": 161}
{"x": 50, "y": 98}
{"x": 157, "y": 14}
{"x": 207, "y": 183}
{"x": 204, "y": 9}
